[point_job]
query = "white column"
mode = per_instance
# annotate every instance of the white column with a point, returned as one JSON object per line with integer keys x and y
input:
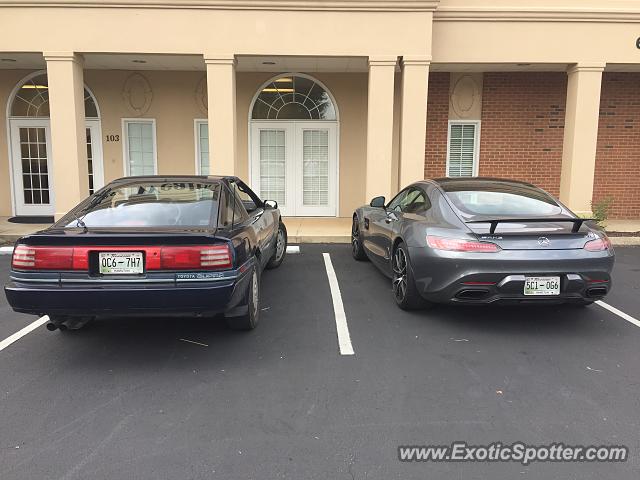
{"x": 68, "y": 139}
{"x": 221, "y": 91}
{"x": 380, "y": 127}
{"x": 580, "y": 136}
{"x": 413, "y": 121}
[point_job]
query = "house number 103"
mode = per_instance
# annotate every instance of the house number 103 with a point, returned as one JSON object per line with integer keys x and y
{"x": 112, "y": 138}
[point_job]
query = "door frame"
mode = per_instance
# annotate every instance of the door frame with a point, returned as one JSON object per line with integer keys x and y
{"x": 95, "y": 125}
{"x": 292, "y": 127}
{"x": 16, "y": 183}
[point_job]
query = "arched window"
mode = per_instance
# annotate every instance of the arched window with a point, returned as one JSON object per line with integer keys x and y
{"x": 293, "y": 97}
{"x": 32, "y": 99}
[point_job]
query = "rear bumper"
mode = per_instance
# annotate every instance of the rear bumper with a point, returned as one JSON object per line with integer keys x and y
{"x": 450, "y": 277}
{"x": 189, "y": 297}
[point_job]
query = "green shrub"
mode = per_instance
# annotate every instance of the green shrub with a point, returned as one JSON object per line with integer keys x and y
{"x": 601, "y": 209}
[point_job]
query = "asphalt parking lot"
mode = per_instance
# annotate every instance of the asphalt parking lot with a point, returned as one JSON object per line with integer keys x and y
{"x": 137, "y": 399}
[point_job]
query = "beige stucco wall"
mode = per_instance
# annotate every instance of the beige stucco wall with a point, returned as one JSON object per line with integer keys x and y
{"x": 211, "y": 31}
{"x": 174, "y": 107}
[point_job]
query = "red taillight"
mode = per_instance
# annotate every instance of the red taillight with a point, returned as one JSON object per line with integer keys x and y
{"x": 207, "y": 257}
{"x": 460, "y": 245}
{"x": 598, "y": 245}
{"x": 197, "y": 257}
{"x": 42, "y": 258}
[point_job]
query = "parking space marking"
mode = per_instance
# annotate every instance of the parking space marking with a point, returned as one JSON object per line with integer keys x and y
{"x": 6, "y": 250}
{"x": 21, "y": 333}
{"x": 619, "y": 313}
{"x": 293, "y": 249}
{"x": 344, "y": 339}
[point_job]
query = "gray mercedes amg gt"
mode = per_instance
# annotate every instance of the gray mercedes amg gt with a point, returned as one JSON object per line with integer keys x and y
{"x": 482, "y": 241}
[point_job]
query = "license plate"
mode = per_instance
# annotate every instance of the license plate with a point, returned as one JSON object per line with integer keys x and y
{"x": 542, "y": 286}
{"x": 121, "y": 263}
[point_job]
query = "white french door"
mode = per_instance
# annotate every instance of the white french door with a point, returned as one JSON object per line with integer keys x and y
{"x": 32, "y": 164}
{"x": 31, "y": 157}
{"x": 295, "y": 163}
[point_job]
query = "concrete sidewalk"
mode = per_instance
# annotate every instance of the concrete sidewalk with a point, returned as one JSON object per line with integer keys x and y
{"x": 321, "y": 230}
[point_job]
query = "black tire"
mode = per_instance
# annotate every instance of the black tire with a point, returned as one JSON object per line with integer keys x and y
{"x": 249, "y": 320}
{"x": 357, "y": 248}
{"x": 403, "y": 284}
{"x": 281, "y": 247}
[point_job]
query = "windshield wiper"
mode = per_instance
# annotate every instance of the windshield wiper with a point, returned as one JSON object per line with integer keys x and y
{"x": 94, "y": 202}
{"x": 80, "y": 223}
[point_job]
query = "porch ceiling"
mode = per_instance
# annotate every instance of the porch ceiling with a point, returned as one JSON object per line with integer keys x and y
{"x": 260, "y": 63}
{"x": 498, "y": 67}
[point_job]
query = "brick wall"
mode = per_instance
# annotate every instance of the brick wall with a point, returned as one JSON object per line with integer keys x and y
{"x": 522, "y": 125}
{"x": 435, "y": 152}
{"x": 617, "y": 172}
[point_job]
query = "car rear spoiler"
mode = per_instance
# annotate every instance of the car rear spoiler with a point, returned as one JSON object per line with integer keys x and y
{"x": 577, "y": 222}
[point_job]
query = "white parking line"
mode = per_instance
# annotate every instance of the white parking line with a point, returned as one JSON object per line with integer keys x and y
{"x": 619, "y": 313}
{"x": 293, "y": 249}
{"x": 344, "y": 339}
{"x": 21, "y": 333}
{"x": 6, "y": 250}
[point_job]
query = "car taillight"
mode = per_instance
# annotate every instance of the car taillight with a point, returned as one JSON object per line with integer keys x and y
{"x": 460, "y": 245}
{"x": 42, "y": 258}
{"x": 207, "y": 257}
{"x": 598, "y": 245}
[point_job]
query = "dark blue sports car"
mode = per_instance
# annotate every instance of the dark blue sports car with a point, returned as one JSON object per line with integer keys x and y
{"x": 156, "y": 245}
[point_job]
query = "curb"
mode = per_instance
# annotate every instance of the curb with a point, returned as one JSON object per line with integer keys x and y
{"x": 625, "y": 241}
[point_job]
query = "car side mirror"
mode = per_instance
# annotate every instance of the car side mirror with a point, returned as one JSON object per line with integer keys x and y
{"x": 271, "y": 204}
{"x": 377, "y": 202}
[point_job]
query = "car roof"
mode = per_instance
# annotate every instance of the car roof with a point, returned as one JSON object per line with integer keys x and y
{"x": 186, "y": 178}
{"x": 450, "y": 181}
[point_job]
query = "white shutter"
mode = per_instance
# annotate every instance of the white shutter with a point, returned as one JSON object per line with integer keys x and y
{"x": 462, "y": 149}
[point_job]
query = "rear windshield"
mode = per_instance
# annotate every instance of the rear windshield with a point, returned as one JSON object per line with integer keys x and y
{"x": 494, "y": 199}
{"x": 149, "y": 204}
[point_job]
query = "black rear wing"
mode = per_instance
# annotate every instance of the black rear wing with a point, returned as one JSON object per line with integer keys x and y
{"x": 577, "y": 222}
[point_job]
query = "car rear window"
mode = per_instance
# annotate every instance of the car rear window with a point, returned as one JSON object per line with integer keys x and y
{"x": 149, "y": 204}
{"x": 495, "y": 199}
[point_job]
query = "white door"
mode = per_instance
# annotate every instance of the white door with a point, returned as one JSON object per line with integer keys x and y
{"x": 31, "y": 157}
{"x": 32, "y": 164}
{"x": 295, "y": 163}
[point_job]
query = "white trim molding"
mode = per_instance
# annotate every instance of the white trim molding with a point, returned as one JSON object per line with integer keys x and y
{"x": 614, "y": 12}
{"x": 313, "y": 5}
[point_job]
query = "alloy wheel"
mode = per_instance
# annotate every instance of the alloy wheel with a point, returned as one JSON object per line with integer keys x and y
{"x": 254, "y": 292}
{"x": 355, "y": 236}
{"x": 399, "y": 274}
{"x": 280, "y": 245}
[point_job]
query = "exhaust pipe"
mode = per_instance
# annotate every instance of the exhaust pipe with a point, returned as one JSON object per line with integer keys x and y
{"x": 595, "y": 292}
{"x": 52, "y": 327}
{"x": 472, "y": 294}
